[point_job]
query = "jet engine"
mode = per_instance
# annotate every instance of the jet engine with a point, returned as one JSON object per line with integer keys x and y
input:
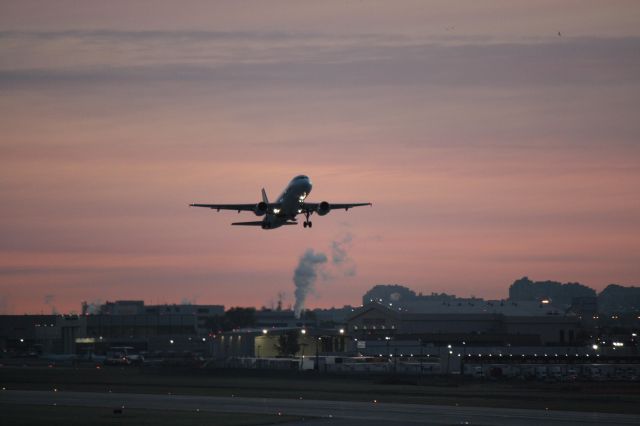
{"x": 260, "y": 208}
{"x": 323, "y": 208}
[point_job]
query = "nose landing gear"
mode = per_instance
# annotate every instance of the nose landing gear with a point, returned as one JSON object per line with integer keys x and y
{"x": 307, "y": 222}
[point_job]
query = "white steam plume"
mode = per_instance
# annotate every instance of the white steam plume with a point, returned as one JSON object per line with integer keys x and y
{"x": 305, "y": 276}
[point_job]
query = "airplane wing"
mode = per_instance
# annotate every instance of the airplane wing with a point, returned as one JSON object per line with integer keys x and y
{"x": 314, "y": 206}
{"x": 237, "y": 207}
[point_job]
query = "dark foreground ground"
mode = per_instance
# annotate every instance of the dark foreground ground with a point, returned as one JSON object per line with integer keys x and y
{"x": 195, "y": 408}
{"x": 72, "y": 396}
{"x": 33, "y": 414}
{"x": 605, "y": 397}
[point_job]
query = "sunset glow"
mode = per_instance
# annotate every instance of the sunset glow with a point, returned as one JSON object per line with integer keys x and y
{"x": 491, "y": 146}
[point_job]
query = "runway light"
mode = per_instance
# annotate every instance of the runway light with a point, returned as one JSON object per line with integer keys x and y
{"x": 618, "y": 344}
{"x": 171, "y": 341}
{"x": 303, "y": 331}
{"x": 594, "y": 347}
{"x": 342, "y": 331}
{"x": 264, "y": 331}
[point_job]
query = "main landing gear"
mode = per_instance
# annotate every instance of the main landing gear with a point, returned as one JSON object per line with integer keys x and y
{"x": 307, "y": 222}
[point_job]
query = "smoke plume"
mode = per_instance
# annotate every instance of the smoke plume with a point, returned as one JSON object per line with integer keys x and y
{"x": 4, "y": 305}
{"x": 91, "y": 308}
{"x": 48, "y": 300}
{"x": 305, "y": 275}
{"x": 340, "y": 256}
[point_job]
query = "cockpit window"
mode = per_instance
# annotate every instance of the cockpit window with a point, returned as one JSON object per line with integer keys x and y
{"x": 300, "y": 177}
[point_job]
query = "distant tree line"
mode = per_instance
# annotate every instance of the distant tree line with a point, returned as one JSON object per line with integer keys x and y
{"x": 232, "y": 319}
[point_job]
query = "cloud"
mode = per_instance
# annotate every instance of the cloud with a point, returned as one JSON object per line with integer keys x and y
{"x": 317, "y": 60}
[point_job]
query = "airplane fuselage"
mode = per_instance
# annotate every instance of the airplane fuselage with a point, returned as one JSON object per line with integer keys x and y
{"x": 290, "y": 202}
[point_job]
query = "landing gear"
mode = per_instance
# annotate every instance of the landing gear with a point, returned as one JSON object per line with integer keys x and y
{"x": 307, "y": 222}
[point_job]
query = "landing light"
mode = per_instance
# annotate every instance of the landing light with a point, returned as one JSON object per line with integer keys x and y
{"x": 276, "y": 211}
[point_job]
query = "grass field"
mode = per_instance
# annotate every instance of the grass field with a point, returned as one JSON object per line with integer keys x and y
{"x": 29, "y": 415}
{"x": 589, "y": 396}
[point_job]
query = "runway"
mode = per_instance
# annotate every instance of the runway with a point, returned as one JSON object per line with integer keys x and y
{"x": 326, "y": 412}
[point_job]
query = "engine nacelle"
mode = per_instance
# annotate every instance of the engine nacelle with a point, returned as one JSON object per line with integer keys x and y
{"x": 260, "y": 208}
{"x": 323, "y": 208}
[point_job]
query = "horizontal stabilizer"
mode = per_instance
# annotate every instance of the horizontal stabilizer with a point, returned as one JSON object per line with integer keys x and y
{"x": 259, "y": 223}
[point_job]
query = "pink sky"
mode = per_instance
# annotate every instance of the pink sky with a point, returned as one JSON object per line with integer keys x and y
{"x": 491, "y": 147}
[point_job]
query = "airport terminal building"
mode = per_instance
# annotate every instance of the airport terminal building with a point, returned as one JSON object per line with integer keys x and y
{"x": 375, "y": 321}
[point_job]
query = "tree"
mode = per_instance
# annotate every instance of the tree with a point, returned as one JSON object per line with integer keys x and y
{"x": 239, "y": 318}
{"x": 288, "y": 344}
{"x": 232, "y": 319}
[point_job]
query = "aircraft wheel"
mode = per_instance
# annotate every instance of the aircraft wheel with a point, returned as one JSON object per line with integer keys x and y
{"x": 304, "y": 224}
{"x": 310, "y": 224}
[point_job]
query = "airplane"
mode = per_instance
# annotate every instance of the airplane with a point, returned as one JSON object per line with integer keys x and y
{"x": 284, "y": 211}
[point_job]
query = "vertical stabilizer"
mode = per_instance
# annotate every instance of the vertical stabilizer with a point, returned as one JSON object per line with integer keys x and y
{"x": 264, "y": 196}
